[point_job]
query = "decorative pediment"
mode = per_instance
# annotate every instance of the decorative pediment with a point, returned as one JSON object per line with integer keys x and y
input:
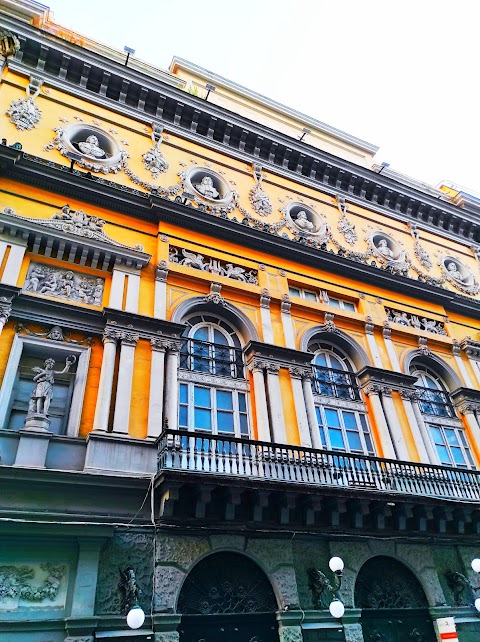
{"x": 70, "y": 234}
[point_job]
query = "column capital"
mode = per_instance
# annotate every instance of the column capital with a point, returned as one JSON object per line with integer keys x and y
{"x": 5, "y": 312}
{"x": 129, "y": 338}
{"x": 264, "y": 364}
{"x": 165, "y": 343}
{"x": 374, "y": 388}
{"x": 286, "y": 304}
{"x": 408, "y": 393}
{"x": 161, "y": 271}
{"x": 265, "y": 298}
{"x": 467, "y": 408}
{"x": 111, "y": 335}
{"x": 369, "y": 325}
{"x": 300, "y": 372}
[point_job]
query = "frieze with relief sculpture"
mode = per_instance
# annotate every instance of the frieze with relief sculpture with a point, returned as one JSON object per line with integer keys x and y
{"x": 18, "y": 583}
{"x": 55, "y": 333}
{"x": 413, "y": 321}
{"x": 64, "y": 284}
{"x": 214, "y": 266}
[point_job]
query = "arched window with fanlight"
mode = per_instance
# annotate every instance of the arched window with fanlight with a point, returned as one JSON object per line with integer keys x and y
{"x": 213, "y": 389}
{"x": 445, "y": 429}
{"x": 341, "y": 413}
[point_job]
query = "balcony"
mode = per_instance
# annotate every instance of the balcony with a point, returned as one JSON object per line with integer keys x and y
{"x": 300, "y": 482}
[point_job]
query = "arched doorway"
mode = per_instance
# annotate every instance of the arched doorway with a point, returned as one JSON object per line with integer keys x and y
{"x": 394, "y": 606}
{"x": 227, "y": 597}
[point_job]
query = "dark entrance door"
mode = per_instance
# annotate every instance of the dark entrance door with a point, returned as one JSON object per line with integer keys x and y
{"x": 394, "y": 606}
{"x": 227, "y": 598}
{"x": 260, "y": 627}
{"x": 397, "y": 625}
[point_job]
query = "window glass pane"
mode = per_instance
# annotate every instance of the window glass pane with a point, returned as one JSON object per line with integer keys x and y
{"x": 201, "y": 396}
{"x": 458, "y": 457}
{"x": 224, "y": 400}
{"x": 310, "y": 296}
{"x": 349, "y": 306}
{"x": 336, "y": 439}
{"x": 320, "y": 360}
{"x": 243, "y": 424}
{"x": 183, "y": 393}
{"x": 332, "y": 418}
{"x": 294, "y": 291}
{"x": 436, "y": 434}
{"x": 203, "y": 420}
{"x": 201, "y": 334}
{"x": 349, "y": 420}
{"x": 183, "y": 417}
{"x": 335, "y": 363}
{"x": 219, "y": 337}
{"x": 451, "y": 437}
{"x": 354, "y": 440}
{"x": 242, "y": 402}
{"x": 334, "y": 302}
{"x": 225, "y": 421}
{"x": 443, "y": 455}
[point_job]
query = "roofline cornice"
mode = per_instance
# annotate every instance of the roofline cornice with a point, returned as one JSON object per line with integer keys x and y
{"x": 287, "y": 157}
{"x": 274, "y": 105}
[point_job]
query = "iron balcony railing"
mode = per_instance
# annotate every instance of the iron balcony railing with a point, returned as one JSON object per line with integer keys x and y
{"x": 434, "y": 402}
{"x": 334, "y": 383}
{"x": 232, "y": 456}
{"x": 214, "y": 358}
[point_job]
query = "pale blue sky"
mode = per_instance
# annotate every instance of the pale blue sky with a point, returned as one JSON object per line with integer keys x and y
{"x": 402, "y": 74}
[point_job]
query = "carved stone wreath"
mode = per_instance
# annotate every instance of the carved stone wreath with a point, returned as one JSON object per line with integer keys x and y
{"x": 209, "y": 189}
{"x": 388, "y": 252}
{"x": 97, "y": 150}
{"x": 304, "y": 222}
{"x": 458, "y": 275}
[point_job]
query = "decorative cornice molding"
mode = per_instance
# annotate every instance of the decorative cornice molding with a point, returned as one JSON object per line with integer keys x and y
{"x": 471, "y": 348}
{"x": 379, "y": 187}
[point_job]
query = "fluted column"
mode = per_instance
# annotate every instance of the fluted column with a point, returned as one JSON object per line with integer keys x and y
{"x": 261, "y": 410}
{"x": 160, "y": 302}
{"x": 417, "y": 426}
{"x": 279, "y": 431}
{"x": 296, "y": 374}
{"x": 372, "y": 391}
{"x": 468, "y": 410}
{"x": 157, "y": 384}
{"x": 121, "y": 417}
{"x": 105, "y": 385}
{"x": 265, "y": 316}
{"x": 393, "y": 421}
{"x": 171, "y": 384}
{"x": 372, "y": 344}
{"x": 287, "y": 324}
{"x": 311, "y": 411}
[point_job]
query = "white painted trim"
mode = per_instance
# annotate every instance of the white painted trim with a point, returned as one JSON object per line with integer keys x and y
{"x": 160, "y": 303}
{"x": 267, "y": 330}
{"x": 116, "y": 289}
{"x": 464, "y": 372}
{"x": 288, "y": 332}
{"x": 133, "y": 293}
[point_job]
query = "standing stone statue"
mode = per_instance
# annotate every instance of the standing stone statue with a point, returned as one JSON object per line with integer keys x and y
{"x": 44, "y": 379}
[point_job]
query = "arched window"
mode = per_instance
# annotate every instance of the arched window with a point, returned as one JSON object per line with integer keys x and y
{"x": 341, "y": 413}
{"x": 445, "y": 429}
{"x": 213, "y": 388}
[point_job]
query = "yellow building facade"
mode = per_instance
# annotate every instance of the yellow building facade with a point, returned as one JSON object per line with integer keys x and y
{"x": 227, "y": 286}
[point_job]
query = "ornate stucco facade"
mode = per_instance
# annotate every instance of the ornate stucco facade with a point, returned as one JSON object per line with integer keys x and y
{"x": 225, "y": 352}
